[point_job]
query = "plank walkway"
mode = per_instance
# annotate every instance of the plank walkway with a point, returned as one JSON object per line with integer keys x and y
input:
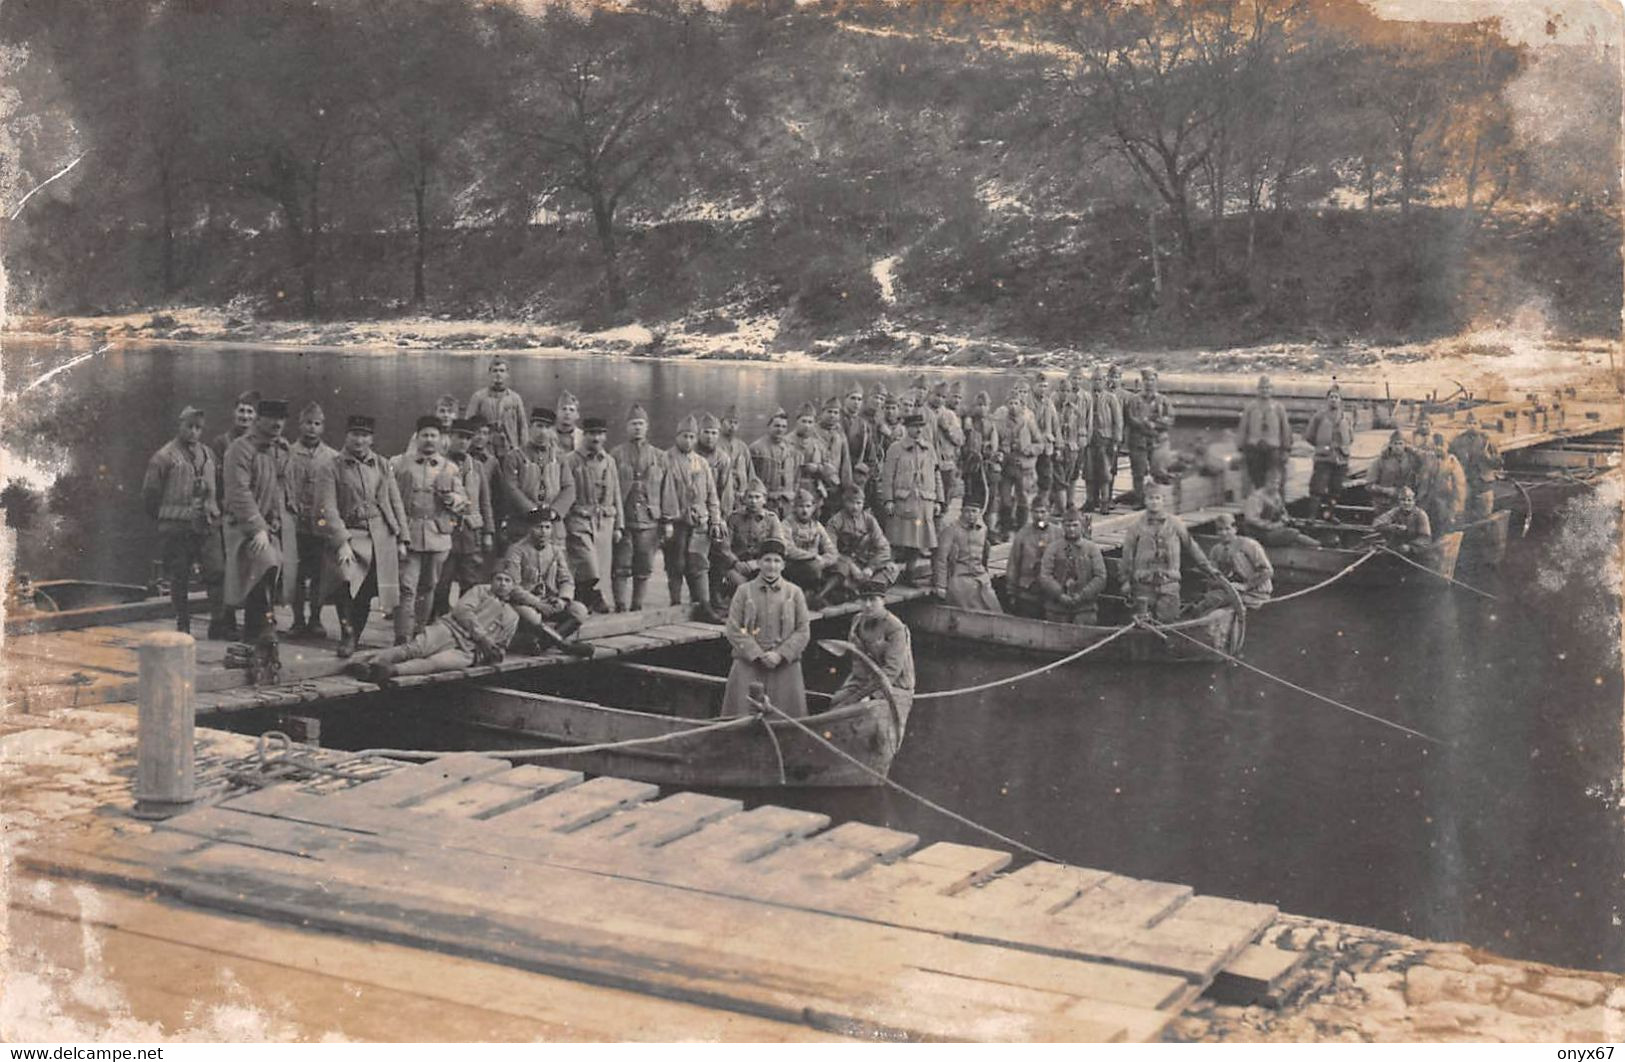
{"x": 70, "y": 668}
{"x": 694, "y": 900}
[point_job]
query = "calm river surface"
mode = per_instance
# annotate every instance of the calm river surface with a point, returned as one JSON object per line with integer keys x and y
{"x": 1507, "y": 834}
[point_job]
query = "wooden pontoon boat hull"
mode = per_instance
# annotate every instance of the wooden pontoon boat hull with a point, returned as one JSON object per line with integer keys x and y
{"x": 70, "y": 604}
{"x": 1313, "y": 564}
{"x": 1218, "y": 629}
{"x": 746, "y": 757}
{"x": 1484, "y": 542}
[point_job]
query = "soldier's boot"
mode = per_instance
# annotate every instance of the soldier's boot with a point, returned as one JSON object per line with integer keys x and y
{"x": 640, "y": 590}
{"x": 618, "y": 586}
{"x": 347, "y": 637}
{"x": 674, "y": 588}
{"x": 567, "y": 629}
{"x": 700, "y": 593}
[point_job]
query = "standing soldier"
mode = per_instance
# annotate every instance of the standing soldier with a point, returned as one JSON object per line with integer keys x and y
{"x": 534, "y": 476}
{"x": 595, "y": 523}
{"x": 307, "y": 453}
{"x": 1076, "y": 414}
{"x": 1149, "y": 417}
{"x": 1331, "y": 433}
{"x": 364, "y": 523}
{"x": 768, "y": 628}
{"x": 1018, "y": 436}
{"x": 695, "y": 515}
{"x": 980, "y": 458}
{"x": 730, "y": 468}
{"x": 641, "y": 470}
{"x": 948, "y": 440}
{"x": 1480, "y": 460}
{"x": 777, "y": 463}
{"x": 911, "y": 491}
{"x": 960, "y": 566}
{"x": 1026, "y": 557}
{"x": 1153, "y": 549}
{"x": 833, "y": 434}
{"x": 1106, "y": 436}
{"x": 567, "y": 435}
{"x": 816, "y": 471}
{"x": 738, "y": 451}
{"x": 1265, "y": 437}
{"x": 1444, "y": 489}
{"x": 862, "y": 444}
{"x": 862, "y": 551}
{"x": 431, "y": 491}
{"x": 1048, "y": 420}
{"x": 472, "y": 537}
{"x": 1072, "y": 574}
{"x": 258, "y": 546}
{"x": 1394, "y": 468}
{"x": 179, "y": 492}
{"x": 223, "y": 624}
{"x": 502, "y": 408}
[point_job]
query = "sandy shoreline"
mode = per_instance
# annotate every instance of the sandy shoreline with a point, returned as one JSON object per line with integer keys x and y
{"x": 1490, "y": 364}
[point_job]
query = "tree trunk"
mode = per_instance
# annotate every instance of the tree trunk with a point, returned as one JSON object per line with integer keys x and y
{"x": 603, "y": 217}
{"x": 420, "y": 194}
{"x": 1156, "y": 259}
{"x": 1252, "y": 229}
{"x": 167, "y": 248}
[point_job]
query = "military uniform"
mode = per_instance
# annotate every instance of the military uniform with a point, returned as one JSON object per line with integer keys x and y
{"x": 1265, "y": 437}
{"x": 431, "y": 490}
{"x": 767, "y": 617}
{"x": 1148, "y": 418}
{"x": 885, "y": 640}
{"x": 777, "y": 463}
{"x": 477, "y": 630}
{"x": 504, "y": 410}
{"x": 641, "y": 471}
{"x": 255, "y": 501}
{"x": 1332, "y": 436}
{"x": 960, "y": 568}
{"x": 1152, "y": 553}
{"x": 531, "y": 477}
{"x": 305, "y": 513}
{"x": 910, "y": 486}
{"x": 543, "y": 572}
{"x": 361, "y": 506}
{"x": 466, "y": 563}
{"x": 1071, "y": 575}
{"x": 1245, "y": 565}
{"x": 1021, "y": 570}
{"x": 1105, "y": 436}
{"x": 862, "y": 551}
{"x": 595, "y": 515}
{"x": 179, "y": 490}
{"x": 695, "y": 515}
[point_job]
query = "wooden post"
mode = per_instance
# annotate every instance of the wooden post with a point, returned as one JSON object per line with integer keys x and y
{"x": 165, "y": 782}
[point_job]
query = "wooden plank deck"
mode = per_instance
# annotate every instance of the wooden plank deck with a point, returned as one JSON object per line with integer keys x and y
{"x": 694, "y": 901}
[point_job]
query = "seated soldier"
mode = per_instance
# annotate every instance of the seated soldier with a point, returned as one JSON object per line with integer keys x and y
{"x": 809, "y": 549}
{"x": 1263, "y": 517}
{"x": 1072, "y": 573}
{"x": 1405, "y": 528}
{"x": 1243, "y": 563}
{"x": 885, "y": 640}
{"x": 862, "y": 553}
{"x": 1395, "y": 467}
{"x": 476, "y": 631}
{"x": 538, "y": 565}
{"x": 737, "y": 553}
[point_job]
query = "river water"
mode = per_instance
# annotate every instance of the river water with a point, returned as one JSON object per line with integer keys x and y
{"x": 1505, "y": 832}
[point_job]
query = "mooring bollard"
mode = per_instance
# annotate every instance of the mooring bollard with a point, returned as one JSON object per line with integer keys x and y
{"x": 165, "y": 782}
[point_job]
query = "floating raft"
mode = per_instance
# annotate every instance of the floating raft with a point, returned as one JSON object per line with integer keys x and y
{"x": 692, "y": 898}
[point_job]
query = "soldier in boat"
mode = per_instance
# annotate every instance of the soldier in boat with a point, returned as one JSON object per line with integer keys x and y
{"x": 961, "y": 575}
{"x": 1072, "y": 573}
{"x": 1264, "y": 517}
{"x": 538, "y": 566}
{"x": 1331, "y": 433}
{"x": 502, "y": 408}
{"x": 1442, "y": 492}
{"x": 768, "y": 628}
{"x": 1154, "y": 550}
{"x": 179, "y": 491}
{"x": 885, "y": 640}
{"x": 863, "y": 553}
{"x": 1405, "y": 528}
{"x": 1480, "y": 461}
{"x": 1022, "y": 592}
{"x": 1243, "y": 562}
{"x": 476, "y": 631}
{"x": 364, "y": 520}
{"x": 1394, "y": 468}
